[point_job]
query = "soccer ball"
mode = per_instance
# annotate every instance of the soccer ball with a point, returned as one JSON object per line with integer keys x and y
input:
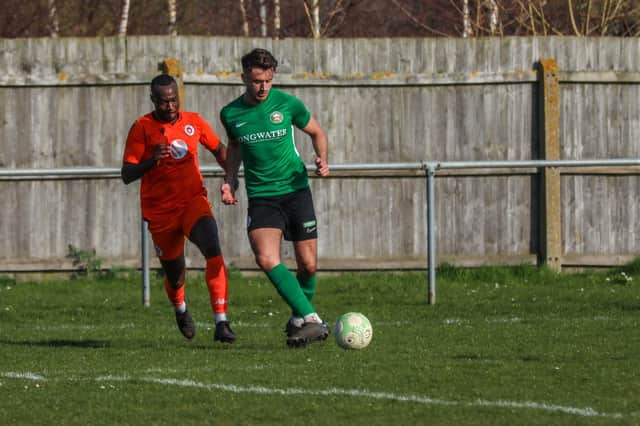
{"x": 353, "y": 331}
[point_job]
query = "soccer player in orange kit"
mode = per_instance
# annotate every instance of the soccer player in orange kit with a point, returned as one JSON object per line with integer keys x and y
{"x": 161, "y": 149}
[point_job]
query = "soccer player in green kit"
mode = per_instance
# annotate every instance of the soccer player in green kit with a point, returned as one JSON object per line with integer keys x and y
{"x": 259, "y": 125}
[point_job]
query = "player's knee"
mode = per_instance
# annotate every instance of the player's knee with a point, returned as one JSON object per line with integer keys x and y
{"x": 204, "y": 235}
{"x": 175, "y": 276}
{"x": 266, "y": 263}
{"x": 174, "y": 270}
{"x": 307, "y": 268}
{"x": 210, "y": 250}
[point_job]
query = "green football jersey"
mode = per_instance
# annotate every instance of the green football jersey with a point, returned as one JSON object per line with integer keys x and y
{"x": 272, "y": 165}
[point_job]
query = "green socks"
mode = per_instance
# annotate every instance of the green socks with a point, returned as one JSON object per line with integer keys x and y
{"x": 290, "y": 290}
{"x": 308, "y": 285}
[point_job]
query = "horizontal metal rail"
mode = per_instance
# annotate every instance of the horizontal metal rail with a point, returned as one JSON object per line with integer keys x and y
{"x": 535, "y": 163}
{"x": 59, "y": 173}
{"x": 113, "y": 172}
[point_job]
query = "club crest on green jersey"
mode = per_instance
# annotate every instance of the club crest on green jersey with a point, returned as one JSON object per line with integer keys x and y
{"x": 276, "y": 117}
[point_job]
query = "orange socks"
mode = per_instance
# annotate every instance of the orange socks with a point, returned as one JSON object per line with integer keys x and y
{"x": 176, "y": 296}
{"x": 216, "y": 277}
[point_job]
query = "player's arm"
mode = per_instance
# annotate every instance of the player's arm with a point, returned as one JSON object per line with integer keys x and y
{"x": 228, "y": 187}
{"x": 231, "y": 182}
{"x": 320, "y": 146}
{"x": 133, "y": 167}
{"x": 131, "y": 172}
{"x": 212, "y": 142}
{"x": 220, "y": 153}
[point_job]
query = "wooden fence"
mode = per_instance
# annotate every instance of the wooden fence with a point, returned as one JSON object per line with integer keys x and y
{"x": 70, "y": 102}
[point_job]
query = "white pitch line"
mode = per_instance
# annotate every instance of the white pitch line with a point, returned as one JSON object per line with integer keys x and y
{"x": 584, "y": 412}
{"x": 362, "y": 393}
{"x": 27, "y": 376}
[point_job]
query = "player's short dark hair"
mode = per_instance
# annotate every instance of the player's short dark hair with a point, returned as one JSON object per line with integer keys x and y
{"x": 259, "y": 58}
{"x": 161, "y": 80}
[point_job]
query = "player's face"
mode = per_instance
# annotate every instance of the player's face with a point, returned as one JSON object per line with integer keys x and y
{"x": 258, "y": 83}
{"x": 165, "y": 100}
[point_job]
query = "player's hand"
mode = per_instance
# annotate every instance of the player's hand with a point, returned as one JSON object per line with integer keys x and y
{"x": 322, "y": 167}
{"x": 161, "y": 151}
{"x": 226, "y": 192}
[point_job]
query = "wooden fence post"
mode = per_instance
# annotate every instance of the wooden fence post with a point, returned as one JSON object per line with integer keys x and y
{"x": 173, "y": 67}
{"x": 550, "y": 251}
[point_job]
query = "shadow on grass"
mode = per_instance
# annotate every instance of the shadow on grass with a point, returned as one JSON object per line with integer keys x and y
{"x": 61, "y": 343}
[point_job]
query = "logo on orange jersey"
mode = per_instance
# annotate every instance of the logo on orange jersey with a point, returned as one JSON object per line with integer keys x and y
{"x": 178, "y": 149}
{"x": 276, "y": 117}
{"x": 189, "y": 130}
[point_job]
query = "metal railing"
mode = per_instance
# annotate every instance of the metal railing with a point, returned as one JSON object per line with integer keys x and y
{"x": 430, "y": 168}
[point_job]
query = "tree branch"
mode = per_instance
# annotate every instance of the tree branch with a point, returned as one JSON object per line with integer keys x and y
{"x": 415, "y": 21}
{"x": 573, "y": 19}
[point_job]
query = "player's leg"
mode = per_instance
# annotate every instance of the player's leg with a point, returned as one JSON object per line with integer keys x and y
{"x": 267, "y": 223}
{"x": 169, "y": 247}
{"x": 174, "y": 278}
{"x": 265, "y": 243}
{"x": 305, "y": 252}
{"x": 303, "y": 233}
{"x": 204, "y": 234}
{"x": 307, "y": 263}
{"x": 265, "y": 227}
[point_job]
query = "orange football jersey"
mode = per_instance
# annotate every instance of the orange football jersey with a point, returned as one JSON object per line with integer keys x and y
{"x": 168, "y": 186}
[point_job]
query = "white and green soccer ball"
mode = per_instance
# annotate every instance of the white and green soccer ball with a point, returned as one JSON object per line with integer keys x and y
{"x": 353, "y": 331}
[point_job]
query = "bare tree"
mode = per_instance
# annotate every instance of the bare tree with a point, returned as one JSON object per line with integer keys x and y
{"x": 245, "y": 21}
{"x": 493, "y": 16}
{"x": 334, "y": 16}
{"x": 581, "y": 18}
{"x": 416, "y": 20}
{"x": 276, "y": 18}
{"x": 313, "y": 16}
{"x": 467, "y": 31}
{"x": 606, "y": 13}
{"x": 263, "y": 17}
{"x": 573, "y": 18}
{"x": 124, "y": 18}
{"x": 531, "y": 18}
{"x": 54, "y": 27}
{"x": 322, "y": 18}
{"x": 172, "y": 17}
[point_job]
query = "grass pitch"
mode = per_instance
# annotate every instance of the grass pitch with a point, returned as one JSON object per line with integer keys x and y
{"x": 502, "y": 346}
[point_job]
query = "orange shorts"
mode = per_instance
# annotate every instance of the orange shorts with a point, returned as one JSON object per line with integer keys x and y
{"x": 169, "y": 235}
